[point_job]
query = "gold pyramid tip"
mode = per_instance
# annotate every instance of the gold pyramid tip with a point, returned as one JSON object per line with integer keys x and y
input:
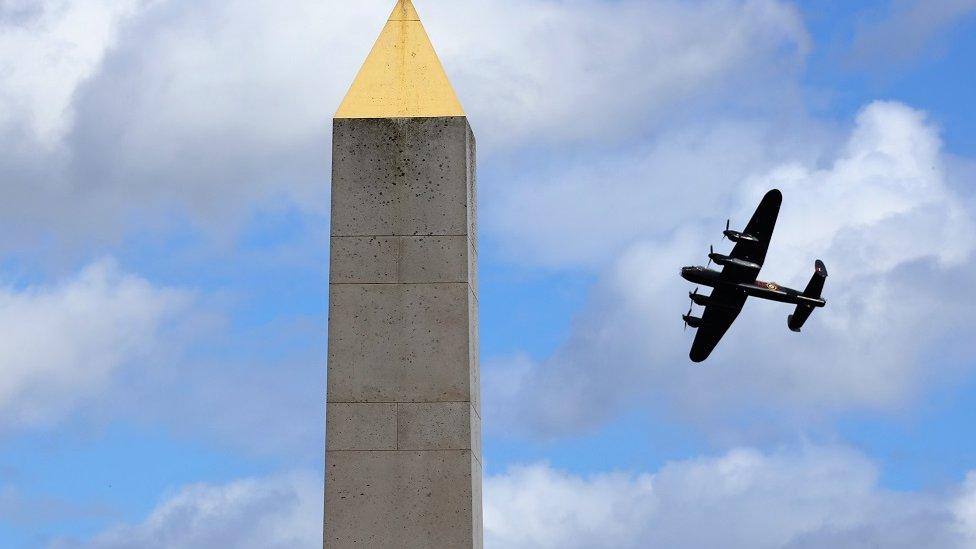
{"x": 402, "y": 76}
{"x": 404, "y": 11}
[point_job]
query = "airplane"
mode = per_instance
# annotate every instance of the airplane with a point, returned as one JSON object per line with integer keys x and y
{"x": 737, "y": 281}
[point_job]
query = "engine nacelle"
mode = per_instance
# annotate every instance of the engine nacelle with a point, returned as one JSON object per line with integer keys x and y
{"x": 724, "y": 260}
{"x": 736, "y": 236}
{"x": 719, "y": 259}
{"x": 693, "y": 321}
{"x": 699, "y": 299}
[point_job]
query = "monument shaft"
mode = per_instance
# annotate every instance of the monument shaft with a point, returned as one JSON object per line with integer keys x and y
{"x": 403, "y": 459}
{"x": 403, "y": 456}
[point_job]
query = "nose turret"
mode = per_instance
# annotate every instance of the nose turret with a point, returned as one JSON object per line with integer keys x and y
{"x": 689, "y": 273}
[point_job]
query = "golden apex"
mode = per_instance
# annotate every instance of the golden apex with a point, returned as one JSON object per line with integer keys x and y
{"x": 402, "y": 76}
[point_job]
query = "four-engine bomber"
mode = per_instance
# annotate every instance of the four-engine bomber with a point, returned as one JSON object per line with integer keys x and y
{"x": 738, "y": 280}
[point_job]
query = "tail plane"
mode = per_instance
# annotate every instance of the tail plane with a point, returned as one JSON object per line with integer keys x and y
{"x": 813, "y": 290}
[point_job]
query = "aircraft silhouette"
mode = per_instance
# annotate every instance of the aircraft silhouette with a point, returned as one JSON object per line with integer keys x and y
{"x": 737, "y": 281}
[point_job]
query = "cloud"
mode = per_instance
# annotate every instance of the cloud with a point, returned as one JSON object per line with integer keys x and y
{"x": 908, "y": 31}
{"x": 593, "y": 209}
{"x": 48, "y": 49}
{"x": 104, "y": 343}
{"x": 282, "y": 512}
{"x": 896, "y": 239}
{"x": 964, "y": 509}
{"x": 532, "y": 73}
{"x": 800, "y": 497}
{"x": 883, "y": 203}
{"x": 806, "y": 497}
{"x": 64, "y": 343}
{"x": 585, "y": 212}
{"x": 148, "y": 114}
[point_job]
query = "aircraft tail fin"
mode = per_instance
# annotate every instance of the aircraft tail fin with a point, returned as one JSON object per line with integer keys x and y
{"x": 803, "y": 311}
{"x": 815, "y": 287}
{"x": 796, "y": 320}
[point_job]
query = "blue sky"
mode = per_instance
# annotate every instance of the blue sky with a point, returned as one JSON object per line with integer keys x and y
{"x": 163, "y": 268}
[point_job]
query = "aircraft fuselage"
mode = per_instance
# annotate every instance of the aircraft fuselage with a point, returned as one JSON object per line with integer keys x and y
{"x": 763, "y": 290}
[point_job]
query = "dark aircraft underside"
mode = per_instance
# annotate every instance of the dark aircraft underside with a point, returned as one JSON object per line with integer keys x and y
{"x": 737, "y": 281}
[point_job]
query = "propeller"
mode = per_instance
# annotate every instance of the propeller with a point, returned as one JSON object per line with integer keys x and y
{"x": 685, "y": 318}
{"x": 711, "y": 250}
{"x": 728, "y": 227}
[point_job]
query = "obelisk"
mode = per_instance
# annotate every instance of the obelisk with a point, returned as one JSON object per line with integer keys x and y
{"x": 403, "y": 436}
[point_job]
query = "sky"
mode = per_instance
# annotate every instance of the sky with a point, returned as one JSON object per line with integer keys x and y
{"x": 164, "y": 214}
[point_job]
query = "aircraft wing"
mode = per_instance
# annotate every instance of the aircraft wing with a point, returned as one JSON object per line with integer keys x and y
{"x": 760, "y": 226}
{"x": 716, "y": 320}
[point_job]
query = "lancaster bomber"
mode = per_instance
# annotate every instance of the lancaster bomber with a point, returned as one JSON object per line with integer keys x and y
{"x": 737, "y": 281}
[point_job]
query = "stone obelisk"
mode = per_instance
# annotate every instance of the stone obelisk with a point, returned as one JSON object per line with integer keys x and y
{"x": 403, "y": 436}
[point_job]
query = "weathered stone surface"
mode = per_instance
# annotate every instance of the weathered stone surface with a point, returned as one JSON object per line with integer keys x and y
{"x": 399, "y": 343}
{"x": 363, "y": 259}
{"x": 358, "y": 426}
{"x": 402, "y": 176}
{"x": 401, "y": 499}
{"x": 475, "y": 430}
{"x": 477, "y": 519}
{"x": 400, "y": 259}
{"x": 434, "y": 426}
{"x": 404, "y": 425}
{"x": 472, "y": 269}
{"x": 434, "y": 259}
{"x": 474, "y": 351}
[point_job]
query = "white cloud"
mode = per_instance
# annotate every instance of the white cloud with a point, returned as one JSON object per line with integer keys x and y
{"x": 47, "y": 50}
{"x": 532, "y": 73}
{"x": 62, "y": 344}
{"x": 964, "y": 509}
{"x": 585, "y": 212}
{"x": 810, "y": 497}
{"x": 890, "y": 164}
{"x": 803, "y": 497}
{"x": 536, "y": 506}
{"x": 884, "y": 201}
{"x": 104, "y": 344}
{"x": 282, "y": 512}
{"x": 216, "y": 107}
{"x": 896, "y": 240}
